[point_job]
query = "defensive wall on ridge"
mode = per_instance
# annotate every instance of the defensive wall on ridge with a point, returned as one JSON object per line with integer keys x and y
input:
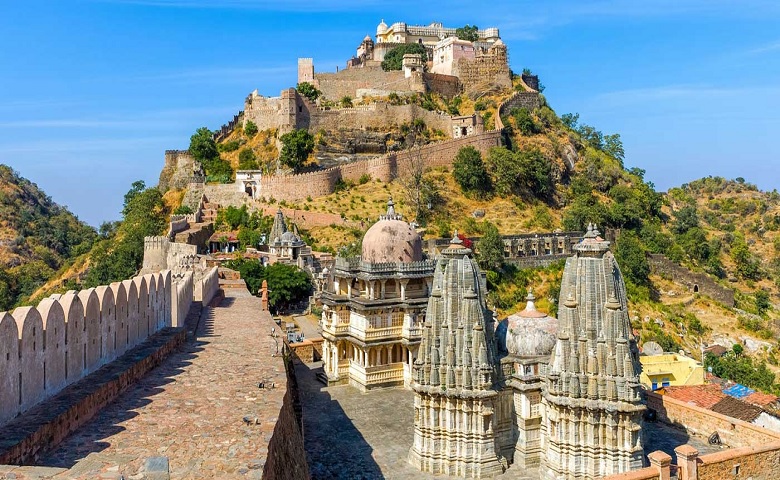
{"x": 293, "y": 111}
{"x": 385, "y": 168}
{"x": 66, "y": 337}
{"x": 696, "y": 282}
{"x": 753, "y": 453}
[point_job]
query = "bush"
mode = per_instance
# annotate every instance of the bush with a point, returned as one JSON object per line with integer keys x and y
{"x": 296, "y": 147}
{"x": 394, "y": 58}
{"x": 308, "y": 90}
{"x": 346, "y": 102}
{"x": 250, "y": 128}
{"x": 230, "y": 146}
{"x": 183, "y": 210}
{"x": 524, "y": 121}
{"x": 364, "y": 179}
{"x": 247, "y": 160}
{"x": 470, "y": 173}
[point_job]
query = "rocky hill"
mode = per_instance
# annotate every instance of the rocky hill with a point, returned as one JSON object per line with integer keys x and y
{"x": 37, "y": 238}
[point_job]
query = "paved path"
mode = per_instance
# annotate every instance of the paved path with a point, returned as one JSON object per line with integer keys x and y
{"x": 351, "y": 435}
{"x": 191, "y": 409}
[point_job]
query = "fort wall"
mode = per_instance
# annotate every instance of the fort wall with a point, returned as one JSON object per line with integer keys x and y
{"x": 385, "y": 168}
{"x": 207, "y": 288}
{"x": 696, "y": 282}
{"x": 66, "y": 337}
{"x": 347, "y": 82}
{"x": 702, "y": 422}
{"x": 178, "y": 170}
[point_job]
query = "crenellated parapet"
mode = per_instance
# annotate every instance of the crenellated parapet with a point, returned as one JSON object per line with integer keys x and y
{"x": 66, "y": 337}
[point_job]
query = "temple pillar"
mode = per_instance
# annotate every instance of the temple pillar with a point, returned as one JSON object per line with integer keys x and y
{"x": 403, "y": 284}
{"x": 382, "y": 290}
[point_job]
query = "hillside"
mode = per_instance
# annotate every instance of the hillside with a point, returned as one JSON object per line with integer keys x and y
{"x": 37, "y": 238}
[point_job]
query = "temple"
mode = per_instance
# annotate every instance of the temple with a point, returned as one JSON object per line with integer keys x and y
{"x": 560, "y": 396}
{"x": 373, "y": 307}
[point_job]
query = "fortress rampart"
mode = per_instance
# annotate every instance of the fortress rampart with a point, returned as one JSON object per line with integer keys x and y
{"x": 697, "y": 282}
{"x": 385, "y": 168}
{"x": 66, "y": 337}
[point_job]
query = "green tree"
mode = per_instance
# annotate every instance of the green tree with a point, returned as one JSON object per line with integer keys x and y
{"x": 296, "y": 147}
{"x": 536, "y": 172}
{"x": 746, "y": 264}
{"x": 632, "y": 258}
{"x": 247, "y": 160}
{"x": 467, "y": 32}
{"x": 504, "y": 170}
{"x": 346, "y": 102}
{"x": 685, "y": 219}
{"x": 309, "y": 91}
{"x": 394, "y": 58}
{"x": 287, "y": 284}
{"x": 470, "y": 173}
{"x": 525, "y": 121}
{"x": 202, "y": 146}
{"x": 762, "y": 302}
{"x": 250, "y": 128}
{"x": 490, "y": 248}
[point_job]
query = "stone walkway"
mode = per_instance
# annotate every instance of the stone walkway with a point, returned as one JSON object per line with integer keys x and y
{"x": 202, "y": 409}
{"x": 350, "y": 435}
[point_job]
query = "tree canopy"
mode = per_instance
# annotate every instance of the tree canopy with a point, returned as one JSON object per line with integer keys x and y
{"x": 394, "y": 58}
{"x": 470, "y": 173}
{"x": 490, "y": 248}
{"x": 204, "y": 149}
{"x": 296, "y": 147}
{"x": 287, "y": 284}
{"x": 467, "y": 32}
{"x": 309, "y": 91}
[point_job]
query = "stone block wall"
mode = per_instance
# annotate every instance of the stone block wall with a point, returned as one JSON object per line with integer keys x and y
{"x": 732, "y": 432}
{"x": 347, "y": 82}
{"x": 696, "y": 282}
{"x": 178, "y": 170}
{"x": 207, "y": 288}
{"x": 445, "y": 85}
{"x": 761, "y": 462}
{"x": 320, "y": 183}
{"x": 66, "y": 337}
{"x": 377, "y": 116}
{"x": 527, "y": 100}
{"x": 182, "y": 294}
{"x": 482, "y": 72}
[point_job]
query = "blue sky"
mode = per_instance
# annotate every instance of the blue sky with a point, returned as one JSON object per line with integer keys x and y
{"x": 93, "y": 91}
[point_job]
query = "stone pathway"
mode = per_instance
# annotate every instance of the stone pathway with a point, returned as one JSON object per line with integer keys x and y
{"x": 351, "y": 435}
{"x": 202, "y": 408}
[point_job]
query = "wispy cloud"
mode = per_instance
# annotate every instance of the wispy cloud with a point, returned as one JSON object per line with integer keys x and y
{"x": 766, "y": 48}
{"x": 675, "y": 92}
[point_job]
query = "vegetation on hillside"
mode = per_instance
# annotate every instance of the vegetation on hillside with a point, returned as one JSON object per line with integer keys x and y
{"x": 37, "y": 238}
{"x": 394, "y": 58}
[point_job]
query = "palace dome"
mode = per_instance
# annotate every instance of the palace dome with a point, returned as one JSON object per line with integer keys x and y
{"x": 531, "y": 332}
{"x": 381, "y": 28}
{"x": 391, "y": 240}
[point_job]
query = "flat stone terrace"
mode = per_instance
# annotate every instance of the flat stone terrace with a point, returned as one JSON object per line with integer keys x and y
{"x": 353, "y": 435}
{"x": 202, "y": 408}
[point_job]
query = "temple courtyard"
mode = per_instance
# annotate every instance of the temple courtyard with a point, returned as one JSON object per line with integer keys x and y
{"x": 352, "y": 435}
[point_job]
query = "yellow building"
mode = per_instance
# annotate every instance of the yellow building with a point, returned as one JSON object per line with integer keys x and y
{"x": 670, "y": 369}
{"x": 428, "y": 35}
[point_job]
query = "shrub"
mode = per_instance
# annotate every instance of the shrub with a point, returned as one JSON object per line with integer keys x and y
{"x": 230, "y": 146}
{"x": 250, "y": 128}
{"x": 346, "y": 101}
{"x": 394, "y": 58}
{"x": 470, "y": 173}
{"x": 308, "y": 90}
{"x": 247, "y": 160}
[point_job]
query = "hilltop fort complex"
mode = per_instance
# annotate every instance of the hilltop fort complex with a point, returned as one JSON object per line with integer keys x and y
{"x": 406, "y": 371}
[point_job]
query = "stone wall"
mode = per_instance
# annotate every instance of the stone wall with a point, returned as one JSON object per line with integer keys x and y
{"x": 485, "y": 71}
{"x": 178, "y": 170}
{"x": 378, "y": 116}
{"x": 527, "y": 100}
{"x": 702, "y": 422}
{"x": 761, "y": 462}
{"x": 696, "y": 282}
{"x": 182, "y": 294}
{"x": 207, "y": 288}
{"x": 445, "y": 85}
{"x": 286, "y": 455}
{"x": 385, "y": 168}
{"x": 347, "y": 82}
{"x": 52, "y": 422}
{"x": 66, "y": 337}
{"x": 225, "y": 130}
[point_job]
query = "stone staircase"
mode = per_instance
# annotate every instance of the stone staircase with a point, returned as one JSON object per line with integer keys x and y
{"x": 209, "y": 212}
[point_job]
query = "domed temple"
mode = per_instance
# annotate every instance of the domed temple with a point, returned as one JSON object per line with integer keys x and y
{"x": 560, "y": 395}
{"x": 373, "y": 307}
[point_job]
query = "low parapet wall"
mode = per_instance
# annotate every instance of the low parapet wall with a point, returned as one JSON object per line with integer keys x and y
{"x": 43, "y": 349}
{"x": 702, "y": 422}
{"x": 385, "y": 168}
{"x": 207, "y": 288}
{"x": 696, "y": 282}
